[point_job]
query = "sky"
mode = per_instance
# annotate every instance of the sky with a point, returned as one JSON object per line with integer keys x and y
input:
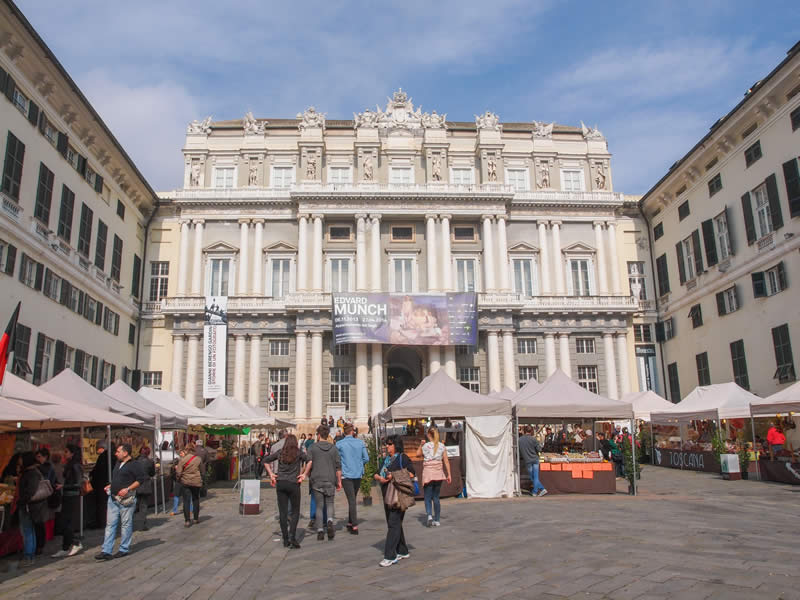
{"x": 653, "y": 76}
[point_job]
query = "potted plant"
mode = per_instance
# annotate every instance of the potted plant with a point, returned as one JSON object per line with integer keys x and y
{"x": 744, "y": 455}
{"x": 369, "y": 473}
{"x": 627, "y": 458}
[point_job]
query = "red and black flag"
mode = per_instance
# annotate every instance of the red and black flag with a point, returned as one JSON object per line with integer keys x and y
{"x": 8, "y": 340}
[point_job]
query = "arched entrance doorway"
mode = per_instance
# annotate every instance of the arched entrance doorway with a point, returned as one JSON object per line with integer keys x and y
{"x": 403, "y": 371}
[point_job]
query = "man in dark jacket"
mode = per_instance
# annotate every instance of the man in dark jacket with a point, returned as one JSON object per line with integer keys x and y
{"x": 325, "y": 466}
{"x": 529, "y": 450}
{"x": 145, "y": 491}
{"x": 201, "y": 452}
{"x": 49, "y": 473}
{"x": 98, "y": 477}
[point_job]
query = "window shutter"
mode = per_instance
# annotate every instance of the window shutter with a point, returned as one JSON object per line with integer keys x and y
{"x": 42, "y": 122}
{"x": 3, "y": 78}
{"x": 137, "y": 269}
{"x": 60, "y": 357}
{"x": 681, "y": 267}
{"x": 98, "y": 317}
{"x": 93, "y": 376}
{"x": 759, "y": 284}
{"x": 736, "y": 295}
{"x": 80, "y": 356}
{"x": 774, "y": 202}
{"x": 721, "y": 303}
{"x": 66, "y": 288}
{"x": 660, "y": 335}
{"x": 125, "y": 372}
{"x": 82, "y": 165}
{"x": 100, "y": 375}
{"x": 21, "y": 270}
{"x": 37, "y": 359}
{"x": 62, "y": 143}
{"x": 709, "y": 242}
{"x": 749, "y": 224}
{"x": 136, "y": 379}
{"x": 81, "y": 302}
{"x": 10, "y": 87}
{"x": 33, "y": 113}
{"x": 113, "y": 377}
{"x": 791, "y": 176}
{"x": 731, "y": 236}
{"x": 663, "y": 275}
{"x": 98, "y": 183}
{"x": 85, "y": 311}
{"x": 11, "y": 260}
{"x": 782, "y": 276}
{"x": 37, "y": 284}
{"x": 698, "y": 255}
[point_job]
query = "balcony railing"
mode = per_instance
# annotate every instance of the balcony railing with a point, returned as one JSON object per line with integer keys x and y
{"x": 419, "y": 189}
{"x": 196, "y": 305}
{"x": 562, "y": 197}
{"x": 582, "y": 303}
{"x": 11, "y": 208}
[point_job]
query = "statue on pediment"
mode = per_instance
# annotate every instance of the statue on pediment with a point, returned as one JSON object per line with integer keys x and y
{"x": 488, "y": 120}
{"x": 542, "y": 130}
{"x": 591, "y": 133}
{"x": 251, "y": 126}
{"x": 201, "y": 127}
{"x": 367, "y": 119}
{"x": 311, "y": 118}
{"x": 433, "y": 120}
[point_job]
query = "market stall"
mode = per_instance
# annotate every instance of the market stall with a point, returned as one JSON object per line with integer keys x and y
{"x": 558, "y": 400}
{"x": 778, "y": 410}
{"x": 488, "y": 452}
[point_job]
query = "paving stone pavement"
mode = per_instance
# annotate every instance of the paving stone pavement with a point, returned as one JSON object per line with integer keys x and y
{"x": 686, "y": 536}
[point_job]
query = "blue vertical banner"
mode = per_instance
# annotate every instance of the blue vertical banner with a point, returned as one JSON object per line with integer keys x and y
{"x": 414, "y": 320}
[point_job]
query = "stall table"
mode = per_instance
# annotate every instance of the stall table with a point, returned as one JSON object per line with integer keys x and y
{"x": 449, "y": 490}
{"x": 780, "y": 471}
{"x": 574, "y": 478}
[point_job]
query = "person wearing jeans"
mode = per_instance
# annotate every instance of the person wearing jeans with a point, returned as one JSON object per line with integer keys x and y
{"x": 354, "y": 456}
{"x": 189, "y": 475}
{"x": 529, "y": 449}
{"x": 325, "y": 468}
{"x": 435, "y": 470}
{"x": 30, "y": 512}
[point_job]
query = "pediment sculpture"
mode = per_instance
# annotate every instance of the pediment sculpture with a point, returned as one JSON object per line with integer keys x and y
{"x": 591, "y": 133}
{"x": 488, "y": 120}
{"x": 311, "y": 118}
{"x": 251, "y": 126}
{"x": 201, "y": 127}
{"x": 399, "y": 114}
{"x": 543, "y": 130}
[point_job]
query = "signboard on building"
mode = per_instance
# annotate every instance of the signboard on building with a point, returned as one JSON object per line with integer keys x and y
{"x": 215, "y": 333}
{"x": 424, "y": 320}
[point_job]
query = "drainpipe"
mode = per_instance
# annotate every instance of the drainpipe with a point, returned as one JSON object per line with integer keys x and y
{"x": 141, "y": 292}
{"x": 655, "y": 290}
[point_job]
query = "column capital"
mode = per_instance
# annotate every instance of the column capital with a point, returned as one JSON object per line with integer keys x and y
{"x": 360, "y": 216}
{"x": 301, "y": 331}
{"x": 550, "y": 334}
{"x": 375, "y": 217}
{"x": 237, "y": 335}
{"x": 444, "y": 216}
{"x": 555, "y": 223}
{"x": 431, "y": 216}
{"x": 178, "y": 336}
{"x": 598, "y": 223}
{"x": 244, "y": 221}
{"x": 193, "y": 336}
{"x": 563, "y": 334}
{"x": 487, "y": 217}
{"x": 319, "y": 216}
{"x": 254, "y": 336}
{"x": 608, "y": 334}
{"x": 305, "y": 216}
{"x": 316, "y": 333}
{"x": 501, "y": 217}
{"x": 185, "y": 222}
{"x": 611, "y": 223}
{"x": 258, "y": 221}
{"x": 198, "y": 221}
{"x": 542, "y": 222}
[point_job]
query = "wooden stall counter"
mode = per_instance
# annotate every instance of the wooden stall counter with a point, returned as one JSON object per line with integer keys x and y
{"x": 780, "y": 471}
{"x": 449, "y": 490}
{"x": 574, "y": 478}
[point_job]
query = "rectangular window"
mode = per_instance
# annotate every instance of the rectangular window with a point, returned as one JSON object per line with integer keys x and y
{"x": 120, "y": 209}
{"x": 727, "y": 301}
{"x": 282, "y": 177}
{"x": 663, "y": 275}
{"x": 669, "y": 328}
{"x": 159, "y": 280}
{"x": 50, "y": 132}
{"x": 279, "y": 347}
{"x": 465, "y": 274}
{"x": 72, "y": 157}
{"x": 100, "y": 245}
{"x": 722, "y": 235}
{"x": 703, "y": 373}
{"x": 339, "y": 175}
{"x": 110, "y": 321}
{"x": 27, "y": 271}
{"x": 403, "y": 275}
{"x": 116, "y": 259}
{"x": 152, "y": 379}
{"x": 107, "y": 375}
{"x": 44, "y": 195}
{"x": 341, "y": 350}
{"x": 12, "y": 168}
{"x": 683, "y": 210}
{"x": 402, "y": 233}
{"x": 636, "y": 280}
{"x": 642, "y": 333}
{"x": 90, "y": 310}
{"x": 279, "y": 388}
{"x": 462, "y": 176}
{"x": 20, "y": 101}
{"x": 340, "y": 386}
{"x": 401, "y": 175}
{"x": 463, "y": 233}
{"x": 752, "y": 154}
{"x": 74, "y": 299}
{"x": 280, "y": 277}
{"x": 52, "y": 286}
{"x": 783, "y": 354}
{"x": 470, "y": 378}
{"x": 223, "y": 177}
{"x": 90, "y": 176}
{"x": 517, "y": 178}
{"x": 47, "y": 358}
{"x": 739, "y": 363}
{"x": 340, "y": 275}
{"x": 526, "y": 345}
{"x": 65, "y": 214}
{"x": 526, "y": 374}
{"x": 763, "y": 214}
{"x": 688, "y": 258}
{"x": 587, "y": 378}
{"x": 674, "y": 383}
{"x": 340, "y": 233}
{"x": 523, "y": 276}
{"x": 714, "y": 184}
{"x": 579, "y": 271}
{"x": 220, "y": 276}
{"x": 658, "y": 231}
{"x": 22, "y": 348}
{"x": 131, "y": 333}
{"x": 584, "y": 345}
{"x": 85, "y": 231}
{"x": 769, "y": 282}
{"x": 572, "y": 180}
{"x": 696, "y": 315}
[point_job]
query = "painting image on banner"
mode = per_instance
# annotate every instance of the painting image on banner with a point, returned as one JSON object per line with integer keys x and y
{"x": 215, "y": 333}
{"x": 406, "y": 319}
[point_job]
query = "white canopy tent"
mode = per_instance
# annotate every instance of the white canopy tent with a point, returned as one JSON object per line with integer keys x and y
{"x": 709, "y": 402}
{"x": 505, "y": 394}
{"x": 172, "y": 402}
{"x": 783, "y": 402}
{"x": 227, "y": 411}
{"x": 646, "y": 402}
{"x": 121, "y": 392}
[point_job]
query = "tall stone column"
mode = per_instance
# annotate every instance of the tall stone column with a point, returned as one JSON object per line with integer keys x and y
{"x": 502, "y": 255}
{"x": 377, "y": 379}
{"x": 611, "y": 365}
{"x": 602, "y": 280}
{"x": 192, "y": 357}
{"x": 197, "y": 259}
{"x": 544, "y": 259}
{"x": 254, "y": 383}
{"x": 446, "y": 283}
{"x": 183, "y": 259}
{"x": 431, "y": 253}
{"x": 361, "y": 253}
{"x": 434, "y": 359}
{"x": 176, "y": 383}
{"x": 450, "y": 362}
{"x": 258, "y": 256}
{"x": 493, "y": 358}
{"x": 616, "y": 285}
{"x": 558, "y": 263}
{"x": 244, "y": 254}
{"x": 563, "y": 348}
{"x": 300, "y": 377}
{"x": 316, "y": 375}
{"x": 375, "y": 253}
{"x": 302, "y": 254}
{"x": 316, "y": 267}
{"x": 550, "y": 354}
{"x": 362, "y": 383}
{"x": 509, "y": 370}
{"x": 489, "y": 265}
{"x": 622, "y": 360}
{"x": 239, "y": 366}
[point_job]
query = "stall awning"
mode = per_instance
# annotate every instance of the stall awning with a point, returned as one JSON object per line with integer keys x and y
{"x": 785, "y": 401}
{"x": 226, "y": 411}
{"x": 718, "y": 401}
{"x": 645, "y": 403}
{"x": 121, "y": 392}
{"x": 171, "y": 401}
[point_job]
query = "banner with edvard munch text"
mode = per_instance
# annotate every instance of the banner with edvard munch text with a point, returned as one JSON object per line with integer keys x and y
{"x": 215, "y": 334}
{"x": 424, "y": 320}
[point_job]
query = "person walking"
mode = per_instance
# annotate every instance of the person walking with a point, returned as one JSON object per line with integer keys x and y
{"x": 354, "y": 456}
{"x": 31, "y": 508}
{"x": 435, "y": 470}
{"x": 188, "y": 473}
{"x": 53, "y": 502}
{"x": 145, "y": 491}
{"x": 202, "y": 453}
{"x": 395, "y": 463}
{"x": 529, "y": 450}
{"x": 70, "y": 502}
{"x": 325, "y": 467}
{"x": 98, "y": 477}
{"x": 287, "y": 482}
{"x": 125, "y": 479}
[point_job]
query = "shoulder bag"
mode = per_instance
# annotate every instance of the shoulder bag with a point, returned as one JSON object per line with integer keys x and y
{"x": 43, "y": 490}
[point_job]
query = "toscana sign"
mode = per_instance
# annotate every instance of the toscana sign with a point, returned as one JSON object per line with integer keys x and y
{"x": 691, "y": 461}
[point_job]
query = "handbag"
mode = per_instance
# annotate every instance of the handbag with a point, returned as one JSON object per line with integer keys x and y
{"x": 416, "y": 487}
{"x": 86, "y": 487}
{"x": 188, "y": 462}
{"x": 43, "y": 490}
{"x": 128, "y": 500}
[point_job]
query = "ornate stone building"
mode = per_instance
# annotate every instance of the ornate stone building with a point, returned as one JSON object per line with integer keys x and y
{"x": 277, "y": 214}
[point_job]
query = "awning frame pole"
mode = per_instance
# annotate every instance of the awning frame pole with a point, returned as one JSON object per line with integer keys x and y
{"x": 755, "y": 452}
{"x": 81, "y": 484}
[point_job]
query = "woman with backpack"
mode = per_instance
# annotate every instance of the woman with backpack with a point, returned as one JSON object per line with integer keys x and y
{"x": 70, "y": 501}
{"x": 396, "y": 470}
{"x": 189, "y": 475}
{"x": 33, "y": 492}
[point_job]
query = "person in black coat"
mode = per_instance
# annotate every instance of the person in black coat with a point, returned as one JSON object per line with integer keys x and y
{"x": 395, "y": 548}
{"x": 145, "y": 491}
{"x": 49, "y": 473}
{"x": 98, "y": 477}
{"x": 70, "y": 502}
{"x": 30, "y": 511}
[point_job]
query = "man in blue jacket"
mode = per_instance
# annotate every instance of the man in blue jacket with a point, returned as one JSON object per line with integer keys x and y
{"x": 354, "y": 456}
